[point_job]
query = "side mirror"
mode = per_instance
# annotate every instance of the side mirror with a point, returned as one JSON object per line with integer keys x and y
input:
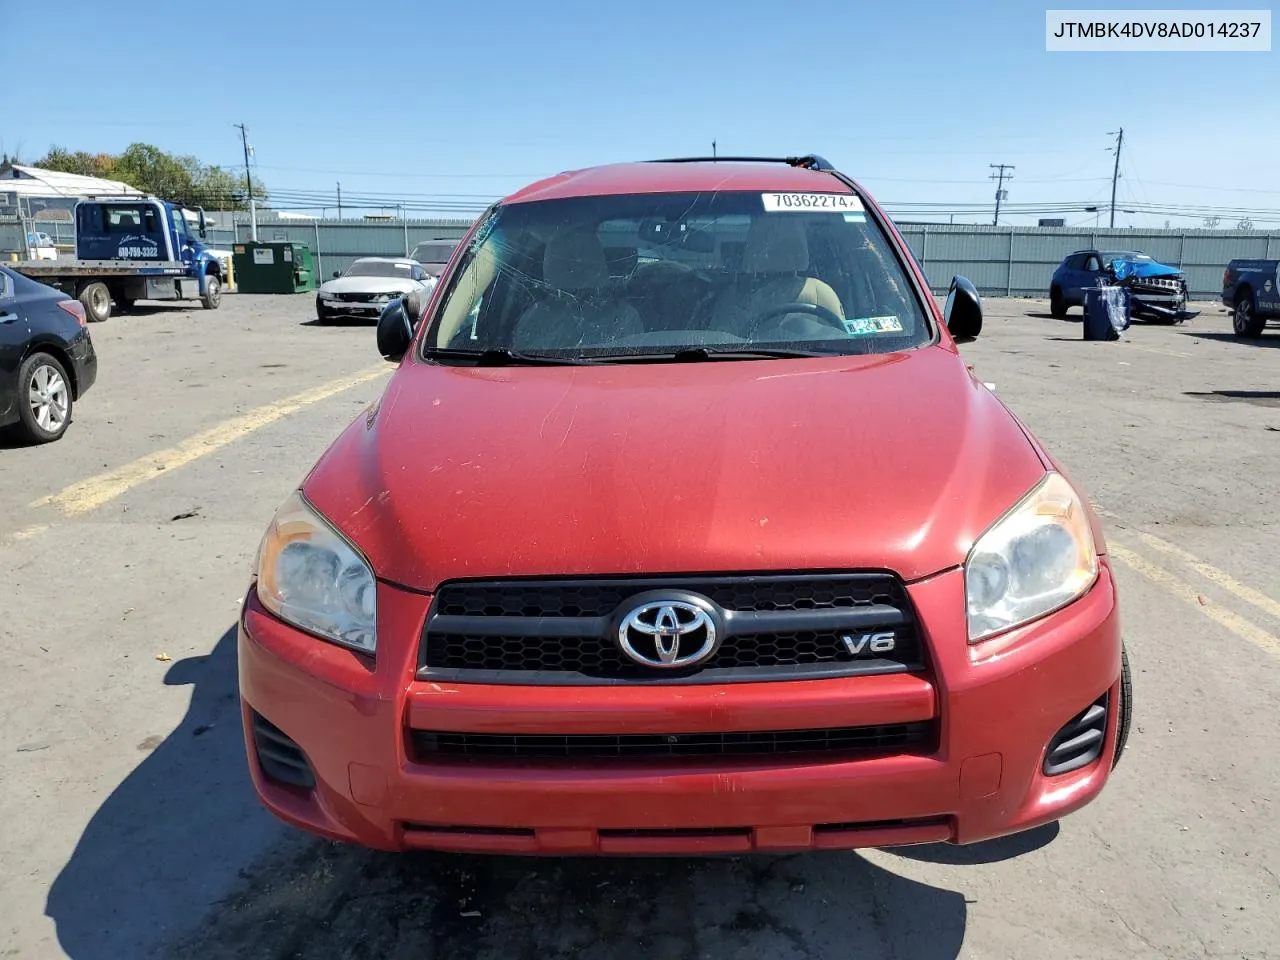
{"x": 963, "y": 312}
{"x": 395, "y": 329}
{"x": 337, "y": 274}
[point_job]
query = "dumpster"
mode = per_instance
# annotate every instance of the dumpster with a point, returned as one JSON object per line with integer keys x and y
{"x": 1106, "y": 312}
{"x": 273, "y": 267}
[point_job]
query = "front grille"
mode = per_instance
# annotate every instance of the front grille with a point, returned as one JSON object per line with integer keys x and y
{"x": 357, "y": 297}
{"x": 1161, "y": 284}
{"x": 280, "y": 758}
{"x": 1080, "y": 741}
{"x": 845, "y": 741}
{"x": 773, "y": 627}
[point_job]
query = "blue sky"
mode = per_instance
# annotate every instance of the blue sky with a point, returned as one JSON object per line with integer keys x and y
{"x": 472, "y": 100}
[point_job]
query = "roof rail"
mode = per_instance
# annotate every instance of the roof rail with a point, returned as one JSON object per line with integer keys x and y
{"x": 809, "y": 162}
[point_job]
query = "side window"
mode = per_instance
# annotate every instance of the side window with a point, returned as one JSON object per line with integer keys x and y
{"x": 1091, "y": 263}
{"x": 6, "y": 287}
{"x": 179, "y": 224}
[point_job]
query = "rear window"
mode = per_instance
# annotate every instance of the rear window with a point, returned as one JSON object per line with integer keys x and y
{"x": 439, "y": 252}
{"x": 612, "y": 275}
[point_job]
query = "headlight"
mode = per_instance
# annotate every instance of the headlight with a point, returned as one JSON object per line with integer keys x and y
{"x": 326, "y": 295}
{"x": 1036, "y": 558}
{"x": 311, "y": 577}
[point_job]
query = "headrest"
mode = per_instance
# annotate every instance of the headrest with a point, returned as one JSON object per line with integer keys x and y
{"x": 776, "y": 243}
{"x": 574, "y": 260}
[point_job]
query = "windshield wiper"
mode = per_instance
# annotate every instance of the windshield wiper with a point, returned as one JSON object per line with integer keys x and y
{"x": 501, "y": 357}
{"x": 699, "y": 354}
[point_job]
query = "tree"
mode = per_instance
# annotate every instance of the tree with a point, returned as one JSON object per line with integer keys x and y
{"x": 180, "y": 179}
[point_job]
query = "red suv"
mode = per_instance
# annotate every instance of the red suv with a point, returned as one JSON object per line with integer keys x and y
{"x": 681, "y": 527}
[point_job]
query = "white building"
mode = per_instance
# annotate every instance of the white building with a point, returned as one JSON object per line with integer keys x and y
{"x": 33, "y": 192}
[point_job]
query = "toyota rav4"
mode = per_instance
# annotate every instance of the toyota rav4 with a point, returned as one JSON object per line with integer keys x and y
{"x": 682, "y": 527}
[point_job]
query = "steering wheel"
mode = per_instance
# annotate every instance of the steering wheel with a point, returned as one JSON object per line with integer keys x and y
{"x": 828, "y": 317}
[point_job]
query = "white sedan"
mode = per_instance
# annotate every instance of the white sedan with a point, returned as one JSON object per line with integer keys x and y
{"x": 368, "y": 285}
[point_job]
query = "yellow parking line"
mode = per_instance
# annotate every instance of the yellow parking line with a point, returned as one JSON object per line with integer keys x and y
{"x": 1207, "y": 570}
{"x": 1238, "y": 625}
{"x": 1212, "y": 573}
{"x": 93, "y": 492}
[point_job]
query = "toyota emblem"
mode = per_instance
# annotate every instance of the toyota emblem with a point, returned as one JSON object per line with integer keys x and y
{"x": 667, "y": 634}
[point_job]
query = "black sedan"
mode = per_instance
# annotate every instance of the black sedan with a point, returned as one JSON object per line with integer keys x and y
{"x": 46, "y": 357}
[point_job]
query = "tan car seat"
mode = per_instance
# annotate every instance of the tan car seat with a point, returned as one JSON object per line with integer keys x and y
{"x": 774, "y": 264}
{"x": 576, "y": 307}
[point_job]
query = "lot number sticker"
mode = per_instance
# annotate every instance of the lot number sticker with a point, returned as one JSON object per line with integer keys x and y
{"x": 811, "y": 202}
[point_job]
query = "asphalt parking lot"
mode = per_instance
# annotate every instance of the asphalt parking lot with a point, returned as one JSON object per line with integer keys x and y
{"x": 131, "y": 829}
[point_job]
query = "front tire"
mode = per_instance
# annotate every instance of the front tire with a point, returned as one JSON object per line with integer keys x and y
{"x": 44, "y": 394}
{"x": 1245, "y": 319}
{"x": 1057, "y": 305}
{"x": 212, "y": 293}
{"x": 96, "y": 300}
{"x": 1125, "y": 708}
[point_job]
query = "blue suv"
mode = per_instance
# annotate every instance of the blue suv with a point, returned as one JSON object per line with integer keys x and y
{"x": 1158, "y": 291}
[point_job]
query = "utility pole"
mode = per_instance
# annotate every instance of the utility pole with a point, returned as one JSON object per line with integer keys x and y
{"x": 339, "y": 199}
{"x": 713, "y": 149}
{"x": 1115, "y": 174}
{"x": 1000, "y": 177}
{"x": 248, "y": 182}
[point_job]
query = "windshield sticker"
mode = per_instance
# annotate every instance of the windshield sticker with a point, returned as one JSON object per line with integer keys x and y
{"x": 402, "y": 266}
{"x": 855, "y": 218}
{"x": 863, "y": 326}
{"x": 810, "y": 202}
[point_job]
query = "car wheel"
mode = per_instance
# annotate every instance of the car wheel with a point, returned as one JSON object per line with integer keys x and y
{"x": 1245, "y": 320}
{"x": 45, "y": 395}
{"x": 212, "y": 293}
{"x": 1057, "y": 306}
{"x": 96, "y": 300}
{"x": 1125, "y": 710}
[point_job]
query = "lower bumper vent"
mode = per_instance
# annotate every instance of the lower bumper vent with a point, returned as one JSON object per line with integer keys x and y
{"x": 895, "y": 738}
{"x": 281, "y": 759}
{"x": 1080, "y": 742}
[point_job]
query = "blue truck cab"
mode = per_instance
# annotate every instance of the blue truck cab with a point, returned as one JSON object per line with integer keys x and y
{"x": 134, "y": 248}
{"x": 1251, "y": 291}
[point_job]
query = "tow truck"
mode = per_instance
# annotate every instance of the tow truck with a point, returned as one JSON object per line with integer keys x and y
{"x": 130, "y": 249}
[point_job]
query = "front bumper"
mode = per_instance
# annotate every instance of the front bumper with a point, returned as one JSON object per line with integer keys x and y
{"x": 355, "y": 308}
{"x": 996, "y": 705}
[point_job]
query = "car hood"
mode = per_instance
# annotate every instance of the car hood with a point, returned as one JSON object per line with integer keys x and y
{"x": 369, "y": 285}
{"x": 1124, "y": 269}
{"x": 896, "y": 462}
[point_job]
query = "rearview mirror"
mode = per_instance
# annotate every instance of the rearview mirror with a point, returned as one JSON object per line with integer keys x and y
{"x": 963, "y": 312}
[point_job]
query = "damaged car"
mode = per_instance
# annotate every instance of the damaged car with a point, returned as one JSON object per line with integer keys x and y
{"x": 1158, "y": 291}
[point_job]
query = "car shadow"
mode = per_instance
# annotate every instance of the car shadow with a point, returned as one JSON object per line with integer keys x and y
{"x": 1045, "y": 315}
{"x": 817, "y": 905}
{"x": 1258, "y": 398}
{"x": 1271, "y": 338}
{"x": 173, "y": 836}
{"x": 340, "y": 322}
{"x": 181, "y": 861}
{"x": 153, "y": 309}
{"x": 976, "y": 854}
